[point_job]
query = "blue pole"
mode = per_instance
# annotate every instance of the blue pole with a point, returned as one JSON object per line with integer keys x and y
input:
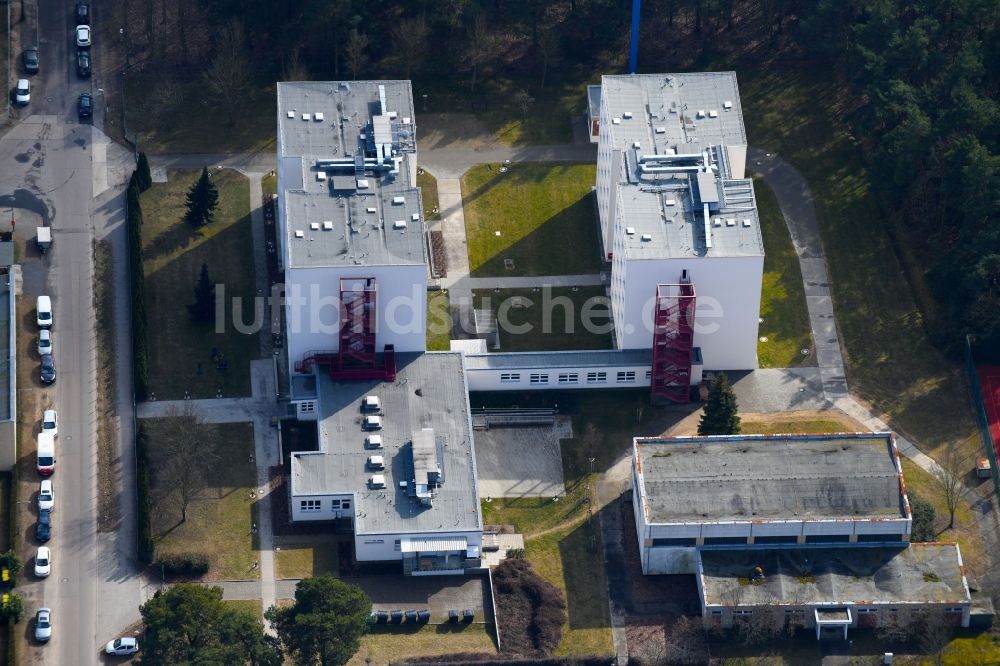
{"x": 633, "y": 56}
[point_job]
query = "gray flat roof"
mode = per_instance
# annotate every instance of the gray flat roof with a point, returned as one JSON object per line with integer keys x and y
{"x": 429, "y": 392}
{"x": 920, "y": 573}
{"x": 7, "y": 350}
{"x": 558, "y": 359}
{"x": 670, "y": 224}
{"x": 770, "y": 477}
{"x": 665, "y": 110}
{"x": 339, "y": 212}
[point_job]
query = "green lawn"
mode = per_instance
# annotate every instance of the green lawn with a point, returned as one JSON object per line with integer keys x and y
{"x": 554, "y": 319}
{"x": 428, "y": 194}
{"x": 219, "y": 518}
{"x": 890, "y": 362}
{"x": 438, "y": 321}
{"x": 300, "y": 561}
{"x": 566, "y": 550}
{"x": 179, "y": 350}
{"x": 251, "y": 606}
{"x": 171, "y": 113}
{"x": 386, "y": 643}
{"x": 544, "y": 214}
{"x": 810, "y": 426}
{"x": 783, "y": 297}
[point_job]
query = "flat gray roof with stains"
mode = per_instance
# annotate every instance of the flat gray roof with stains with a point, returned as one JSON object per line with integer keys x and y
{"x": 770, "y": 477}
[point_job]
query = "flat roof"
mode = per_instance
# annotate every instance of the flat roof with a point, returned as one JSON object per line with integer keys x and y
{"x": 429, "y": 392}
{"x": 558, "y": 359}
{"x": 770, "y": 477}
{"x": 920, "y": 573}
{"x": 8, "y": 374}
{"x": 670, "y": 223}
{"x": 674, "y": 111}
{"x": 347, "y": 150}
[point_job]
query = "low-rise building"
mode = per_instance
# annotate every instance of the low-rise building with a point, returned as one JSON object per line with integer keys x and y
{"x": 396, "y": 461}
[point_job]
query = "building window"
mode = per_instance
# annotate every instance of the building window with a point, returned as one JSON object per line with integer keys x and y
{"x": 776, "y": 539}
{"x": 828, "y": 538}
{"x": 742, "y": 612}
{"x": 716, "y": 612}
{"x": 878, "y": 538}
{"x": 307, "y": 407}
{"x": 673, "y": 542}
{"x": 335, "y": 504}
{"x": 509, "y": 377}
{"x": 626, "y": 377}
{"x": 597, "y": 377}
{"x": 309, "y": 505}
{"x": 346, "y": 504}
{"x": 954, "y": 609}
{"x": 649, "y": 374}
{"x": 372, "y": 542}
{"x": 536, "y": 378}
{"x": 724, "y": 541}
{"x": 867, "y": 610}
{"x": 568, "y": 378}
{"x": 395, "y": 545}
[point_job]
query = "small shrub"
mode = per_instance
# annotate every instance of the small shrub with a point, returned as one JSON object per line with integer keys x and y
{"x": 14, "y": 608}
{"x": 184, "y": 564}
{"x": 13, "y": 563}
{"x": 923, "y": 519}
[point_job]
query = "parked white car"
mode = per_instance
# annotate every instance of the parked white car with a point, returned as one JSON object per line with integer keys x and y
{"x": 43, "y": 562}
{"x": 83, "y": 35}
{"x": 43, "y": 305}
{"x": 44, "y": 342}
{"x": 43, "y": 625}
{"x": 50, "y": 422}
{"x": 22, "y": 94}
{"x": 46, "y": 495}
{"x": 122, "y": 647}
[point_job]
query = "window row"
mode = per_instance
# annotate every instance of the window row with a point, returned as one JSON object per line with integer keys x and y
{"x": 317, "y": 505}
{"x": 596, "y": 377}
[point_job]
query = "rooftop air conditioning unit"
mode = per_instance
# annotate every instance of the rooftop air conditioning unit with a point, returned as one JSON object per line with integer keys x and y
{"x": 306, "y": 116}
{"x": 314, "y": 226}
{"x": 630, "y": 231}
{"x": 377, "y": 481}
{"x": 328, "y": 225}
{"x": 371, "y": 403}
{"x": 376, "y": 462}
{"x": 646, "y": 237}
{"x": 397, "y": 201}
{"x": 362, "y": 184}
{"x": 371, "y": 209}
{"x": 372, "y": 423}
{"x": 727, "y": 105}
{"x": 399, "y": 225}
{"x": 318, "y": 117}
{"x": 373, "y": 442}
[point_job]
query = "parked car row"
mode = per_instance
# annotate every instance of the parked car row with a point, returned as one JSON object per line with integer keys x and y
{"x": 45, "y": 462}
{"x": 83, "y": 38}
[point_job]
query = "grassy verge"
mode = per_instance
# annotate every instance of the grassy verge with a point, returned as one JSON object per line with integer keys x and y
{"x": 107, "y": 434}
{"x": 269, "y": 184}
{"x": 429, "y": 194}
{"x": 219, "y": 518}
{"x": 251, "y": 606}
{"x": 438, "y": 321}
{"x": 966, "y": 531}
{"x": 890, "y": 362}
{"x": 384, "y": 644}
{"x": 306, "y": 561}
{"x": 552, "y": 319}
{"x": 565, "y": 549}
{"x": 170, "y": 112}
{"x": 544, "y": 214}
{"x": 783, "y": 296}
{"x": 180, "y": 351}
{"x": 804, "y": 422}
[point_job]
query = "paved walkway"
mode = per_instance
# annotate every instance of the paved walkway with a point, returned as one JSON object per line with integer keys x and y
{"x": 796, "y": 202}
{"x": 258, "y": 410}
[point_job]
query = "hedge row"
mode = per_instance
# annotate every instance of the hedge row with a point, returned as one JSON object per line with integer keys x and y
{"x": 184, "y": 564}
{"x": 146, "y": 547}
{"x": 133, "y": 212}
{"x": 530, "y": 610}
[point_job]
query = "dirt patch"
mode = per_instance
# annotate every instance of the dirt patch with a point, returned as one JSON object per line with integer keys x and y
{"x": 108, "y": 517}
{"x": 460, "y": 131}
{"x": 797, "y": 421}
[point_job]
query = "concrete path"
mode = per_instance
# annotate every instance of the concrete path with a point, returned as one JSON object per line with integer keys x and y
{"x": 456, "y": 247}
{"x": 258, "y": 410}
{"x": 260, "y": 162}
{"x": 796, "y": 202}
{"x": 260, "y": 257}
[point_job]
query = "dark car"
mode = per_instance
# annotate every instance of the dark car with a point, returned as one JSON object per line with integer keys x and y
{"x": 82, "y": 13}
{"x": 48, "y": 369}
{"x": 43, "y": 529}
{"x": 30, "y": 59}
{"x": 83, "y": 64}
{"x": 85, "y": 105}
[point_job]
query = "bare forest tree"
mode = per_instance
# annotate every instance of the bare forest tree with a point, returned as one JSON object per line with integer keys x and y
{"x": 548, "y": 50}
{"x": 409, "y": 39}
{"x": 480, "y": 49}
{"x": 953, "y": 469}
{"x": 523, "y": 101}
{"x": 293, "y": 68}
{"x": 355, "y": 56}
{"x": 228, "y": 75}
{"x": 179, "y": 437}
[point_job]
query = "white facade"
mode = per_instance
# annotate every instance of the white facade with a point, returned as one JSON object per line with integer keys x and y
{"x": 312, "y": 307}
{"x": 728, "y": 305}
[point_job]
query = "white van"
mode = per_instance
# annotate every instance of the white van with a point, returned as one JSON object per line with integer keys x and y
{"x": 45, "y": 458}
{"x": 44, "y": 307}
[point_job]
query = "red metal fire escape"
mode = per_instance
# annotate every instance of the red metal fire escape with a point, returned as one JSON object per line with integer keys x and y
{"x": 673, "y": 343}
{"x": 356, "y": 357}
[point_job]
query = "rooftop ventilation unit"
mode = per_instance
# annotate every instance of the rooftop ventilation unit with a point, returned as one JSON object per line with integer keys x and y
{"x": 371, "y": 209}
{"x": 318, "y": 117}
{"x": 398, "y": 201}
{"x": 660, "y": 130}
{"x": 377, "y": 481}
{"x": 321, "y": 175}
{"x": 399, "y": 224}
{"x": 372, "y": 423}
{"x": 328, "y": 225}
{"x": 392, "y": 115}
{"x": 636, "y": 145}
{"x": 373, "y": 442}
{"x": 713, "y": 114}
{"x": 415, "y": 217}
{"x": 616, "y": 121}
{"x": 717, "y": 222}
{"x": 376, "y": 462}
{"x": 371, "y": 403}
{"x": 314, "y": 226}
{"x": 291, "y": 114}
{"x": 746, "y": 222}
{"x": 727, "y": 105}
{"x": 630, "y": 231}
{"x": 701, "y": 113}
{"x": 306, "y": 116}
{"x": 646, "y": 237}
{"x": 362, "y": 184}
{"x": 730, "y": 222}
{"x": 627, "y": 115}
{"x": 669, "y": 202}
{"x": 299, "y": 233}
